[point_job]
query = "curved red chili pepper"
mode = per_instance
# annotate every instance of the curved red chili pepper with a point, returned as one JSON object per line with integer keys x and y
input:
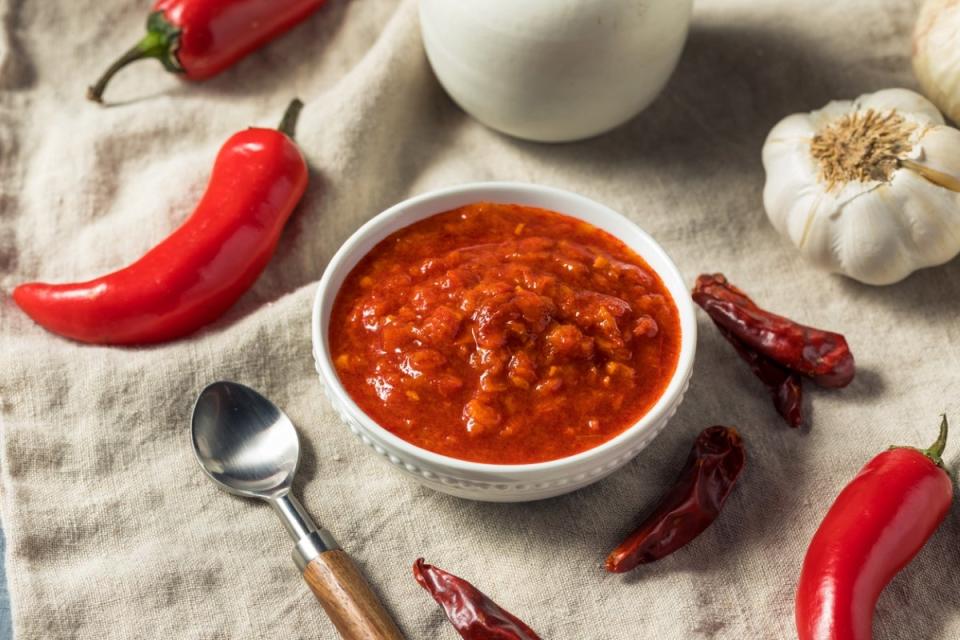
{"x": 200, "y": 38}
{"x": 875, "y": 527}
{"x": 200, "y": 270}
{"x": 820, "y": 355}
{"x": 694, "y": 502}
{"x": 470, "y": 611}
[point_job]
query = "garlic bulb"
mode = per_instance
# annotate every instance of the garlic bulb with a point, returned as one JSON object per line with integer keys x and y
{"x": 868, "y": 188}
{"x": 936, "y": 54}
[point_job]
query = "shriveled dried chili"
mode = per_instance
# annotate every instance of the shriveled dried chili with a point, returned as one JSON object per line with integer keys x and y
{"x": 694, "y": 502}
{"x": 822, "y": 356}
{"x": 470, "y": 611}
{"x": 784, "y": 385}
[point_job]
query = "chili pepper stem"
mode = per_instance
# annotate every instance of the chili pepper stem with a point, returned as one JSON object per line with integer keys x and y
{"x": 146, "y": 48}
{"x": 288, "y": 124}
{"x": 935, "y": 452}
{"x": 160, "y": 42}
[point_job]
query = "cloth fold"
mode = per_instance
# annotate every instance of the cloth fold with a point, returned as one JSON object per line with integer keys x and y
{"x": 114, "y": 532}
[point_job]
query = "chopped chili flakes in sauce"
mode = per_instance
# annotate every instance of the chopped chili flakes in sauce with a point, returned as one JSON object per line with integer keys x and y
{"x": 504, "y": 334}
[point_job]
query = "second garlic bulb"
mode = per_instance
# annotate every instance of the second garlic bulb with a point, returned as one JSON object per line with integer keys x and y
{"x": 936, "y": 54}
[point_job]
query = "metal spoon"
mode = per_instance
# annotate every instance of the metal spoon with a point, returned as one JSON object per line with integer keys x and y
{"x": 249, "y": 447}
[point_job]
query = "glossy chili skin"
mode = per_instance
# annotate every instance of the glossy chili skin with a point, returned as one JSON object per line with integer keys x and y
{"x": 196, "y": 273}
{"x": 200, "y": 38}
{"x": 784, "y": 385}
{"x": 216, "y": 33}
{"x": 822, "y": 356}
{"x": 694, "y": 502}
{"x": 470, "y": 611}
{"x": 875, "y": 527}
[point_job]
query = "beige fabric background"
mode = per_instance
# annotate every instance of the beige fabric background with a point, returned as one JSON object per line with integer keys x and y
{"x": 113, "y": 531}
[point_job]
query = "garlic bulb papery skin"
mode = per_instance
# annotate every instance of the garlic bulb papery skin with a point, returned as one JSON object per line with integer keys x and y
{"x": 936, "y": 54}
{"x": 869, "y": 188}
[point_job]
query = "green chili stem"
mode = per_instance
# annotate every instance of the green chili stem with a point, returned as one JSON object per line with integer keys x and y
{"x": 288, "y": 124}
{"x": 161, "y": 42}
{"x": 152, "y": 46}
{"x": 935, "y": 452}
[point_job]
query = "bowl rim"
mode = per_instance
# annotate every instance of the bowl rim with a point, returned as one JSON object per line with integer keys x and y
{"x": 480, "y": 192}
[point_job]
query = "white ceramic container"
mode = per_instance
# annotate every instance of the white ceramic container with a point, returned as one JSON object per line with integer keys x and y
{"x": 502, "y": 483}
{"x": 554, "y": 70}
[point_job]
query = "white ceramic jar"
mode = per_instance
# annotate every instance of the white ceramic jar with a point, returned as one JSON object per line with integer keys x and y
{"x": 554, "y": 70}
{"x": 498, "y": 482}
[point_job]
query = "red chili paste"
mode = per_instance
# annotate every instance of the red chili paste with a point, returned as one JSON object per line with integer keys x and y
{"x": 504, "y": 334}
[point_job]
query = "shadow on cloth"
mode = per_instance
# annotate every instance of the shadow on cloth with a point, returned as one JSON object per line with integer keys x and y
{"x": 929, "y": 294}
{"x": 730, "y": 87}
{"x": 16, "y": 69}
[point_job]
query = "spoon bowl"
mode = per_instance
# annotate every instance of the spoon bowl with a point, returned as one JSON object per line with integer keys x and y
{"x": 244, "y": 442}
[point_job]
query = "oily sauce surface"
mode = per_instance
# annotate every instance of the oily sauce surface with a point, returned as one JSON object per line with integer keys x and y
{"x": 504, "y": 334}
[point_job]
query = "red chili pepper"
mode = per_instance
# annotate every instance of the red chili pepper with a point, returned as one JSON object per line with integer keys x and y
{"x": 200, "y": 38}
{"x": 820, "y": 355}
{"x": 784, "y": 385}
{"x": 875, "y": 527}
{"x": 694, "y": 502}
{"x": 470, "y": 611}
{"x": 200, "y": 270}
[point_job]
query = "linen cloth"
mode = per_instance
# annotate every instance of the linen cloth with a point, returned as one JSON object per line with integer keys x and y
{"x": 6, "y": 625}
{"x": 113, "y": 530}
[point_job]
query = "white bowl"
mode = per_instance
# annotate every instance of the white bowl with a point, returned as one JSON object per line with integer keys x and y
{"x": 495, "y": 482}
{"x": 554, "y": 70}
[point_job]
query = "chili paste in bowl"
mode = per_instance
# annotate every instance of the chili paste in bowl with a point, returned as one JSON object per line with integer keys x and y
{"x": 488, "y": 336}
{"x": 505, "y": 334}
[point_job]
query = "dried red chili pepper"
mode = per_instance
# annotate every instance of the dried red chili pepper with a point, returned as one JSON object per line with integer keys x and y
{"x": 694, "y": 502}
{"x": 200, "y": 38}
{"x": 820, "y": 355}
{"x": 470, "y": 611}
{"x": 784, "y": 385}
{"x": 875, "y": 527}
{"x": 200, "y": 270}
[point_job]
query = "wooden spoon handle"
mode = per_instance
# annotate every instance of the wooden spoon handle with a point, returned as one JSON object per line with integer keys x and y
{"x": 352, "y": 606}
